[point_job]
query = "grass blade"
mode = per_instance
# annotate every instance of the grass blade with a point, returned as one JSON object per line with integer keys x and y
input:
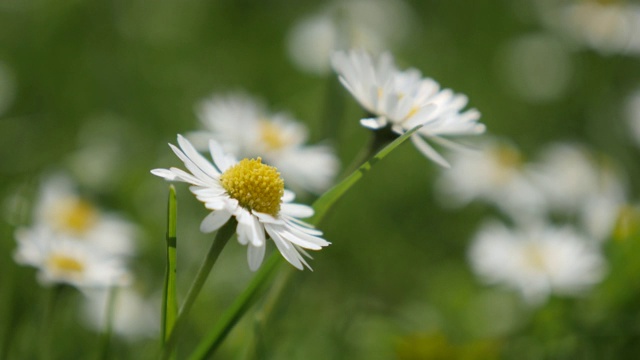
{"x": 169, "y": 299}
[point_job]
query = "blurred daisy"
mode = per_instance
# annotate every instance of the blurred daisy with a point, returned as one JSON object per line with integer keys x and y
{"x": 61, "y": 208}
{"x": 495, "y": 174}
{"x": 369, "y": 24}
{"x": 134, "y": 317}
{"x": 575, "y": 184}
{"x": 254, "y": 194}
{"x": 606, "y": 26}
{"x": 537, "y": 261}
{"x": 402, "y": 100}
{"x": 62, "y": 259}
{"x": 245, "y": 128}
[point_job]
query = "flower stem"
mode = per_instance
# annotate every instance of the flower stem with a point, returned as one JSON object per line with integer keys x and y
{"x": 222, "y": 237}
{"x": 48, "y": 321}
{"x": 232, "y": 315}
{"x": 105, "y": 338}
{"x": 169, "y": 298}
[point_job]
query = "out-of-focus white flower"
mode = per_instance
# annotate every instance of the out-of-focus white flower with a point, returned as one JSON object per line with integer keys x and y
{"x": 574, "y": 183}
{"x": 254, "y": 194}
{"x": 61, "y": 258}
{"x": 134, "y": 317}
{"x": 61, "y": 208}
{"x": 369, "y": 24}
{"x": 404, "y": 99}
{"x": 495, "y": 173}
{"x": 244, "y": 127}
{"x": 536, "y": 261}
{"x": 608, "y": 27}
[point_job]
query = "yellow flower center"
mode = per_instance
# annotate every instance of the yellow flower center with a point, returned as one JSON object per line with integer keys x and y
{"x": 255, "y": 185}
{"x": 272, "y": 136}
{"x": 64, "y": 264}
{"x": 535, "y": 258}
{"x": 75, "y": 216}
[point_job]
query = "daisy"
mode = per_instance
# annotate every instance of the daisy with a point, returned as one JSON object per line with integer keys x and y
{"x": 254, "y": 194}
{"x": 609, "y": 27}
{"x": 244, "y": 127}
{"x": 576, "y": 183}
{"x": 496, "y": 173}
{"x": 369, "y": 24}
{"x": 61, "y": 208}
{"x": 134, "y": 316}
{"x": 401, "y": 100}
{"x": 536, "y": 261}
{"x": 62, "y": 259}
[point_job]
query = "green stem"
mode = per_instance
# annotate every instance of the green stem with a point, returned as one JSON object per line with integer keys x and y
{"x": 222, "y": 237}
{"x": 232, "y": 315}
{"x": 48, "y": 321}
{"x": 105, "y": 338}
{"x": 169, "y": 299}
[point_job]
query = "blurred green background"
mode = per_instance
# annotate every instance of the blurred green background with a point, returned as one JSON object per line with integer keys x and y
{"x": 126, "y": 75}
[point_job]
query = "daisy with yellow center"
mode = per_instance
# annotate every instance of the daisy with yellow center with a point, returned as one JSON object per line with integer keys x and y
{"x": 402, "y": 100}
{"x": 244, "y": 126}
{"x": 254, "y": 194}
{"x": 537, "y": 260}
{"x": 60, "y": 207}
{"x": 62, "y": 259}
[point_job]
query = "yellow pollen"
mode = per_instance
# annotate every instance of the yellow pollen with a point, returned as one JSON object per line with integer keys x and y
{"x": 508, "y": 157}
{"x": 65, "y": 264}
{"x": 412, "y": 112}
{"x": 534, "y": 257}
{"x": 272, "y": 136}
{"x": 76, "y": 216}
{"x": 255, "y": 185}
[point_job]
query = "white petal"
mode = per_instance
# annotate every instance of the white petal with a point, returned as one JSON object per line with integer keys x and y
{"x": 288, "y": 196}
{"x": 374, "y": 123}
{"x": 195, "y": 156}
{"x": 297, "y": 210}
{"x": 428, "y": 151}
{"x": 221, "y": 160}
{"x": 164, "y": 173}
{"x": 214, "y": 221}
{"x": 255, "y": 255}
{"x": 287, "y": 250}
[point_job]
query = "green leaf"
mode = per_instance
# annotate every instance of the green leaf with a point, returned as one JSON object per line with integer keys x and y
{"x": 243, "y": 302}
{"x": 169, "y": 299}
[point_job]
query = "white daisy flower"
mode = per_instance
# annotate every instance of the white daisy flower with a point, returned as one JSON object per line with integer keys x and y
{"x": 496, "y": 174}
{"x": 369, "y": 24}
{"x": 574, "y": 183}
{"x": 61, "y": 208}
{"x": 254, "y": 194}
{"x": 134, "y": 317}
{"x": 537, "y": 261}
{"x": 64, "y": 259}
{"x": 402, "y": 100}
{"x": 608, "y": 27}
{"x": 244, "y": 127}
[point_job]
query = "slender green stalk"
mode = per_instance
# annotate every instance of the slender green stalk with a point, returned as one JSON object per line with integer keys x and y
{"x": 49, "y": 321}
{"x": 233, "y": 314}
{"x": 209, "y": 344}
{"x": 222, "y": 237}
{"x": 169, "y": 299}
{"x": 105, "y": 338}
